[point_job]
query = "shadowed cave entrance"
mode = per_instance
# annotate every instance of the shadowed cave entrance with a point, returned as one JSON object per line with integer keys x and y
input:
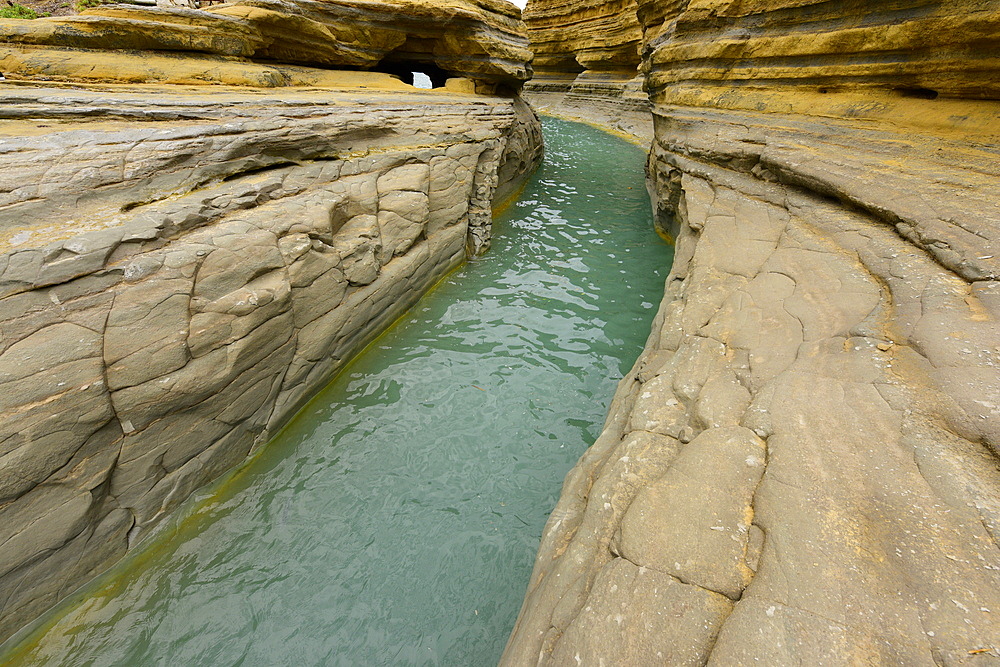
{"x": 424, "y": 70}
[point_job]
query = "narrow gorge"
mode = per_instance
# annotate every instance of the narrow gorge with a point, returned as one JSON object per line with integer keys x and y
{"x": 204, "y": 213}
{"x": 207, "y": 212}
{"x": 396, "y": 519}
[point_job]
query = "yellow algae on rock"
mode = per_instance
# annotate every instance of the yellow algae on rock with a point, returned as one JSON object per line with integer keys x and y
{"x": 85, "y": 65}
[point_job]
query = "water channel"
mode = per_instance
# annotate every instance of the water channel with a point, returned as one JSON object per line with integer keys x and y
{"x": 395, "y": 521}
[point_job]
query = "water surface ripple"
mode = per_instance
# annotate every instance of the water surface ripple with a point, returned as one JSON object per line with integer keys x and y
{"x": 396, "y": 520}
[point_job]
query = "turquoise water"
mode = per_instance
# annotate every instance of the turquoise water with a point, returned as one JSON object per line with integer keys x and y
{"x": 396, "y": 520}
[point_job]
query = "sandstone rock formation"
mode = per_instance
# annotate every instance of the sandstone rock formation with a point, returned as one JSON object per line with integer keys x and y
{"x": 479, "y": 39}
{"x": 182, "y": 267}
{"x": 586, "y": 57}
{"x": 802, "y": 467}
{"x": 569, "y": 37}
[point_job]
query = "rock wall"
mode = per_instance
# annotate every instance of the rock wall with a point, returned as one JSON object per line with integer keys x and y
{"x": 586, "y": 57}
{"x": 572, "y": 36}
{"x": 188, "y": 282}
{"x": 183, "y": 266}
{"x": 802, "y": 467}
{"x": 482, "y": 40}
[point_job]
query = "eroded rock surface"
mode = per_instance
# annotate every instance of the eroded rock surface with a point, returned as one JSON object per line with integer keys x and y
{"x": 187, "y": 281}
{"x": 183, "y": 266}
{"x": 570, "y": 36}
{"x": 802, "y": 467}
{"x": 258, "y": 42}
{"x": 586, "y": 57}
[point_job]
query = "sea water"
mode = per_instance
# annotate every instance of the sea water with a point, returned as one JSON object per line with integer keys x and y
{"x": 396, "y": 520}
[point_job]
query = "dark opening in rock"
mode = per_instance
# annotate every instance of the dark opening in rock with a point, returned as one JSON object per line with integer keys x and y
{"x": 917, "y": 92}
{"x": 419, "y": 74}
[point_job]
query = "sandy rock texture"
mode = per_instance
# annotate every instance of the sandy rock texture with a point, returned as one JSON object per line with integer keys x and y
{"x": 802, "y": 467}
{"x": 586, "y": 60}
{"x": 203, "y": 215}
{"x": 483, "y": 40}
{"x": 181, "y": 269}
{"x": 571, "y": 36}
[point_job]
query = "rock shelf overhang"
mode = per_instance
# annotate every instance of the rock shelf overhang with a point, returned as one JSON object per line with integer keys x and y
{"x": 201, "y": 221}
{"x": 482, "y": 40}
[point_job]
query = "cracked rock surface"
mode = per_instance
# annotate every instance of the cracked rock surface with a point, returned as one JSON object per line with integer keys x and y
{"x": 802, "y": 467}
{"x": 181, "y": 271}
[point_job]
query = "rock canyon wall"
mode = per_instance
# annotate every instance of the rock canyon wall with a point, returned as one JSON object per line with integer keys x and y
{"x": 480, "y": 39}
{"x": 586, "y": 61}
{"x": 802, "y": 467}
{"x": 195, "y": 238}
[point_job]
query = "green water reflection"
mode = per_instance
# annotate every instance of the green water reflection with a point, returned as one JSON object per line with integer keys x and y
{"x": 396, "y": 520}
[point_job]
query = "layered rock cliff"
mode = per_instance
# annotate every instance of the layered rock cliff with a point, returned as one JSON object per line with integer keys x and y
{"x": 586, "y": 57}
{"x": 802, "y": 467}
{"x": 570, "y": 37}
{"x": 181, "y": 267}
{"x": 480, "y": 39}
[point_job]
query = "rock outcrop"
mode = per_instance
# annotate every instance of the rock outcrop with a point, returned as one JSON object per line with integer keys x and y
{"x": 482, "y": 40}
{"x": 586, "y": 60}
{"x": 182, "y": 267}
{"x": 802, "y": 467}
{"x": 569, "y": 37}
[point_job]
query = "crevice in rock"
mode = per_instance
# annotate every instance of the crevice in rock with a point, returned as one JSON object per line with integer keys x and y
{"x": 917, "y": 92}
{"x": 678, "y": 578}
{"x": 255, "y": 171}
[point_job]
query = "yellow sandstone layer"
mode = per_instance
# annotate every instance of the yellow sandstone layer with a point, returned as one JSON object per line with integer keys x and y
{"x": 201, "y": 220}
{"x": 568, "y": 36}
{"x": 477, "y": 39}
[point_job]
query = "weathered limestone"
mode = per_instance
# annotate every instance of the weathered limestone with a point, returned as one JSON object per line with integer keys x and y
{"x": 181, "y": 269}
{"x": 586, "y": 56}
{"x": 478, "y": 39}
{"x": 802, "y": 466}
{"x": 570, "y": 36}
